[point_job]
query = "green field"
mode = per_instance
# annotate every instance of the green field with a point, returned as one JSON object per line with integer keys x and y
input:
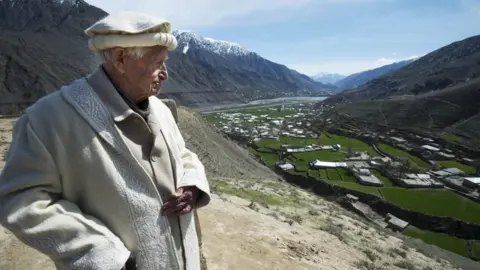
{"x": 320, "y": 174}
{"x": 333, "y": 175}
{"x": 299, "y": 164}
{"x": 458, "y": 165}
{"x": 475, "y": 244}
{"x": 434, "y": 202}
{"x": 392, "y": 151}
{"x": 269, "y": 158}
{"x": 444, "y": 241}
{"x": 346, "y": 176}
{"x": 359, "y": 187}
{"x": 382, "y": 178}
{"x": 451, "y": 138}
{"x": 346, "y": 142}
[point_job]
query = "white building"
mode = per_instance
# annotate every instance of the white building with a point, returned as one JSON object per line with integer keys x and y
{"x": 285, "y": 166}
{"x": 430, "y": 148}
{"x": 473, "y": 182}
{"x": 365, "y": 177}
{"x": 317, "y": 164}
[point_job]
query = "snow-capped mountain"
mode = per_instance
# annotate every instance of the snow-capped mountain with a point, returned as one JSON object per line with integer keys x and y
{"x": 217, "y": 46}
{"x": 325, "y": 77}
{"x": 205, "y": 70}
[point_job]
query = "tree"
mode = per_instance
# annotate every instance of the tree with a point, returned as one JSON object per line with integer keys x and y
{"x": 406, "y": 165}
{"x": 350, "y": 151}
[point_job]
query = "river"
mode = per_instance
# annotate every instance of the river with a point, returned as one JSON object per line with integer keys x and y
{"x": 260, "y": 102}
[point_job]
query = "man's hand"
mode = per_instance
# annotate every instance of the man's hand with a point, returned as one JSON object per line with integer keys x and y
{"x": 182, "y": 202}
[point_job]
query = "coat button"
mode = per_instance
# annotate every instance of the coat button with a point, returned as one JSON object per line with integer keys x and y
{"x": 155, "y": 156}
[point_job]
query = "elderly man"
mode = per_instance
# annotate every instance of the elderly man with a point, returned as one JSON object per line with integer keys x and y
{"x": 98, "y": 173}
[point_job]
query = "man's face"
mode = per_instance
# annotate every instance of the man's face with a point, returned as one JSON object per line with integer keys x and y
{"x": 145, "y": 75}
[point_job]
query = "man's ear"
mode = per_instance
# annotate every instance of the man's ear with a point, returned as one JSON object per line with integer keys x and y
{"x": 118, "y": 59}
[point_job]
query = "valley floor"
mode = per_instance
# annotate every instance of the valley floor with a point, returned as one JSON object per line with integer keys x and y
{"x": 254, "y": 223}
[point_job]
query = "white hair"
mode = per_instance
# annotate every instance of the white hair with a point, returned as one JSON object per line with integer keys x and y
{"x": 134, "y": 52}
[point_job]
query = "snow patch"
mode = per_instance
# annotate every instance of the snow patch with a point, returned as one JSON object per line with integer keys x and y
{"x": 185, "y": 49}
{"x": 217, "y": 46}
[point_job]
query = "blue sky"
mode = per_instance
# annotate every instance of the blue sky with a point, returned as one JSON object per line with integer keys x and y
{"x": 312, "y": 36}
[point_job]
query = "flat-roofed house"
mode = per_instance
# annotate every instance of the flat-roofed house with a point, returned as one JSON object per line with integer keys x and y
{"x": 471, "y": 182}
{"x": 317, "y": 164}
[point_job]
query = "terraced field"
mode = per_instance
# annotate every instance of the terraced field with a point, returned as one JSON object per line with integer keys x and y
{"x": 438, "y": 202}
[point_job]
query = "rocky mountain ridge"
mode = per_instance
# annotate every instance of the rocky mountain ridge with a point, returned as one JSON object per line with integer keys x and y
{"x": 360, "y": 78}
{"x": 448, "y": 66}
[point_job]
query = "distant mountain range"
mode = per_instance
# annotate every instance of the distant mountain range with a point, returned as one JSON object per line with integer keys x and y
{"x": 328, "y": 78}
{"x": 448, "y": 66}
{"x": 438, "y": 94}
{"x": 360, "y": 78}
{"x": 343, "y": 82}
{"x": 43, "y": 46}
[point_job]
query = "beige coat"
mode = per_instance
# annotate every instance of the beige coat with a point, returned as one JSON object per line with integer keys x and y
{"x": 72, "y": 189}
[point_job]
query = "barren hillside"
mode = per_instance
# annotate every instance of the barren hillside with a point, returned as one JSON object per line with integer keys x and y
{"x": 254, "y": 222}
{"x": 221, "y": 156}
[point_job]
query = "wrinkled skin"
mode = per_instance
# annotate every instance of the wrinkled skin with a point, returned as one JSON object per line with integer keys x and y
{"x": 139, "y": 78}
{"x": 182, "y": 202}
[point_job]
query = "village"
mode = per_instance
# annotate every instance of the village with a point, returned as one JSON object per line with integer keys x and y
{"x": 284, "y": 137}
{"x": 294, "y": 122}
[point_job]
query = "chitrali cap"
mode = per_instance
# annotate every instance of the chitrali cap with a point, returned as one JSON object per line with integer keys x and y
{"x": 130, "y": 29}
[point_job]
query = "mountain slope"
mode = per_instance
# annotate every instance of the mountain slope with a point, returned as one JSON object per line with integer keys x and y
{"x": 42, "y": 46}
{"x": 360, "y": 78}
{"x": 328, "y": 78}
{"x": 448, "y": 66}
{"x": 221, "y": 156}
{"x": 451, "y": 111}
{"x": 205, "y": 71}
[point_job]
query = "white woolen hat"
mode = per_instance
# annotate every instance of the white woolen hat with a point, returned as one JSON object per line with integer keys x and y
{"x": 130, "y": 29}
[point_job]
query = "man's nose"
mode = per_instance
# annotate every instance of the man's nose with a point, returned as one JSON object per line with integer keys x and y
{"x": 163, "y": 75}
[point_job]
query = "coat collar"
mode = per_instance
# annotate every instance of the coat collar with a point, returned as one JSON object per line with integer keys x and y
{"x": 103, "y": 86}
{"x": 86, "y": 101}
